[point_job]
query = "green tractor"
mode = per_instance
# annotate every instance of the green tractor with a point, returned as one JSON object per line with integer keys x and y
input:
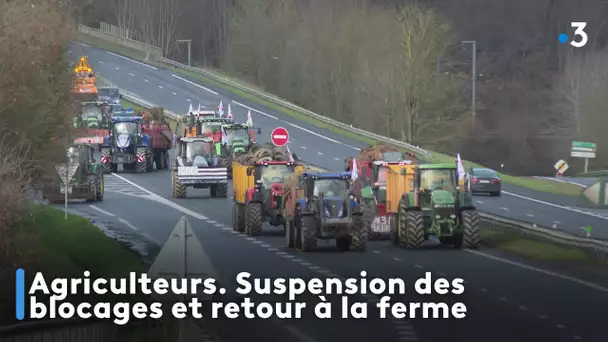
{"x": 238, "y": 139}
{"x": 438, "y": 205}
{"x": 80, "y": 176}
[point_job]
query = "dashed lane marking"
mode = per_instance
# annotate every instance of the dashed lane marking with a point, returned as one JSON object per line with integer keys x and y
{"x": 255, "y": 110}
{"x": 194, "y": 84}
{"x": 101, "y": 210}
{"x": 131, "y": 60}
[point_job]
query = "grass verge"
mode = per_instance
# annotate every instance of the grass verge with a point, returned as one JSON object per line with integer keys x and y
{"x": 542, "y": 185}
{"x": 531, "y": 248}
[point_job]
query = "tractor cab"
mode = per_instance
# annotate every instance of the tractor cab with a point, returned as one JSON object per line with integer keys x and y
{"x": 269, "y": 177}
{"x": 239, "y": 137}
{"x": 92, "y": 115}
{"x": 80, "y": 154}
{"x": 204, "y": 126}
{"x": 332, "y": 190}
{"x": 197, "y": 151}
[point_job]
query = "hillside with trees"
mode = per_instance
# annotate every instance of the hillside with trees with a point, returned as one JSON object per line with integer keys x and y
{"x": 399, "y": 68}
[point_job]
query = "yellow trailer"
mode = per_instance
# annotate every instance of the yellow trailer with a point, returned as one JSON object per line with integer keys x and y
{"x": 400, "y": 180}
{"x": 258, "y": 194}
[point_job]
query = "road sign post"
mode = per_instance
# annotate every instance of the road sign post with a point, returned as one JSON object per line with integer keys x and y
{"x": 279, "y": 136}
{"x": 584, "y": 150}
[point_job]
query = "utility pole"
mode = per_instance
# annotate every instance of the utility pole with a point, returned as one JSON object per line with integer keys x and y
{"x": 473, "y": 78}
{"x": 189, "y": 41}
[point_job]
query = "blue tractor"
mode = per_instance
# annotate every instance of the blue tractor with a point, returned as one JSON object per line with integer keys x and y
{"x": 325, "y": 208}
{"x": 126, "y": 145}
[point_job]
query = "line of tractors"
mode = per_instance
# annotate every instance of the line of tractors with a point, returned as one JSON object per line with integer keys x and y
{"x": 382, "y": 192}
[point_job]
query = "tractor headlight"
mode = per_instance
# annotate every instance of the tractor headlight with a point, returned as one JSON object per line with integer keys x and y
{"x": 437, "y": 216}
{"x": 452, "y": 216}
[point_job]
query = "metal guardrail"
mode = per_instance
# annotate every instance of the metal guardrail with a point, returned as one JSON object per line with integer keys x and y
{"x": 595, "y": 248}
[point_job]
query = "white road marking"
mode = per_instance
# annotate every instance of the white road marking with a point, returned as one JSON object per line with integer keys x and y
{"x": 131, "y": 60}
{"x": 117, "y": 68}
{"x": 480, "y": 202}
{"x": 146, "y": 80}
{"x": 101, "y": 210}
{"x": 505, "y": 209}
{"x": 320, "y": 153}
{"x": 128, "y": 224}
{"x": 174, "y": 93}
{"x": 160, "y": 86}
{"x": 163, "y": 200}
{"x": 83, "y": 44}
{"x": 255, "y": 110}
{"x": 303, "y": 147}
{"x": 335, "y": 158}
{"x": 555, "y": 205}
{"x": 530, "y": 215}
{"x": 561, "y": 181}
{"x": 540, "y": 270}
{"x": 188, "y": 100}
{"x": 557, "y": 222}
{"x": 132, "y": 74}
{"x": 194, "y": 84}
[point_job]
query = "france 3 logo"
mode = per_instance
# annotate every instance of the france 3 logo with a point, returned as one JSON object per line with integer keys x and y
{"x": 579, "y": 36}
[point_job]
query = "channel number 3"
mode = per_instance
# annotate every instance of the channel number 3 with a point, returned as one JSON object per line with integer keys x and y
{"x": 579, "y": 31}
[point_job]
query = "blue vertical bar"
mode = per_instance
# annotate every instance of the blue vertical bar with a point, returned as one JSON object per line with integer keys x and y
{"x": 20, "y": 294}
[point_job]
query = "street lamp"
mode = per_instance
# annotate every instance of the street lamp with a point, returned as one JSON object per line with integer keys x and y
{"x": 473, "y": 76}
{"x": 189, "y": 41}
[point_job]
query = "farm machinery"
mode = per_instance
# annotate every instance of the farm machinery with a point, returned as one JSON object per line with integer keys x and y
{"x": 135, "y": 145}
{"x": 80, "y": 176}
{"x": 238, "y": 140}
{"x": 372, "y": 164}
{"x": 198, "y": 166}
{"x": 258, "y": 177}
{"x": 83, "y": 84}
{"x": 322, "y": 206}
{"x": 437, "y": 204}
{"x": 93, "y": 123}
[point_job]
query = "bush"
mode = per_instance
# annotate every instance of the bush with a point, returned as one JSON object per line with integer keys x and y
{"x": 34, "y": 95}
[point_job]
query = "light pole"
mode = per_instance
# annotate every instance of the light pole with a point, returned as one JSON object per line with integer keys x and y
{"x": 473, "y": 77}
{"x": 189, "y": 41}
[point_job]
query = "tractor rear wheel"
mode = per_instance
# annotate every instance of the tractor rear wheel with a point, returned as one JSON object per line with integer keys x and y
{"x": 141, "y": 161}
{"x": 239, "y": 225}
{"x": 414, "y": 230}
{"x": 179, "y": 190}
{"x": 359, "y": 232}
{"x": 106, "y": 154}
{"x": 100, "y": 188}
{"x": 470, "y": 231}
{"x": 394, "y": 233}
{"x": 253, "y": 218}
{"x": 92, "y": 180}
{"x": 221, "y": 190}
{"x": 308, "y": 234}
{"x": 369, "y": 214}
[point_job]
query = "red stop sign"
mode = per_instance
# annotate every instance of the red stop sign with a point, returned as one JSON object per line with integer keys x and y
{"x": 279, "y": 136}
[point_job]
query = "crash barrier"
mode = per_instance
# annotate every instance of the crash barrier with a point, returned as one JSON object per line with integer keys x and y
{"x": 152, "y": 52}
{"x": 271, "y": 98}
{"x": 597, "y": 249}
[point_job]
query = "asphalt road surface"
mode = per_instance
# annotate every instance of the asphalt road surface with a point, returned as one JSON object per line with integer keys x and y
{"x": 506, "y": 300}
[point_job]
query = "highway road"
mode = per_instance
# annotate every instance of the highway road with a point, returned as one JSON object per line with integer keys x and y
{"x": 507, "y": 300}
{"x": 324, "y": 148}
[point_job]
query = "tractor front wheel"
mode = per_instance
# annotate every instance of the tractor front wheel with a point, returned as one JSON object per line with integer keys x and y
{"x": 253, "y": 218}
{"x": 92, "y": 180}
{"x": 413, "y": 234}
{"x": 179, "y": 190}
{"x": 141, "y": 161}
{"x": 221, "y": 190}
{"x": 470, "y": 238}
{"x": 307, "y": 232}
{"x": 100, "y": 188}
{"x": 106, "y": 158}
{"x": 359, "y": 233}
